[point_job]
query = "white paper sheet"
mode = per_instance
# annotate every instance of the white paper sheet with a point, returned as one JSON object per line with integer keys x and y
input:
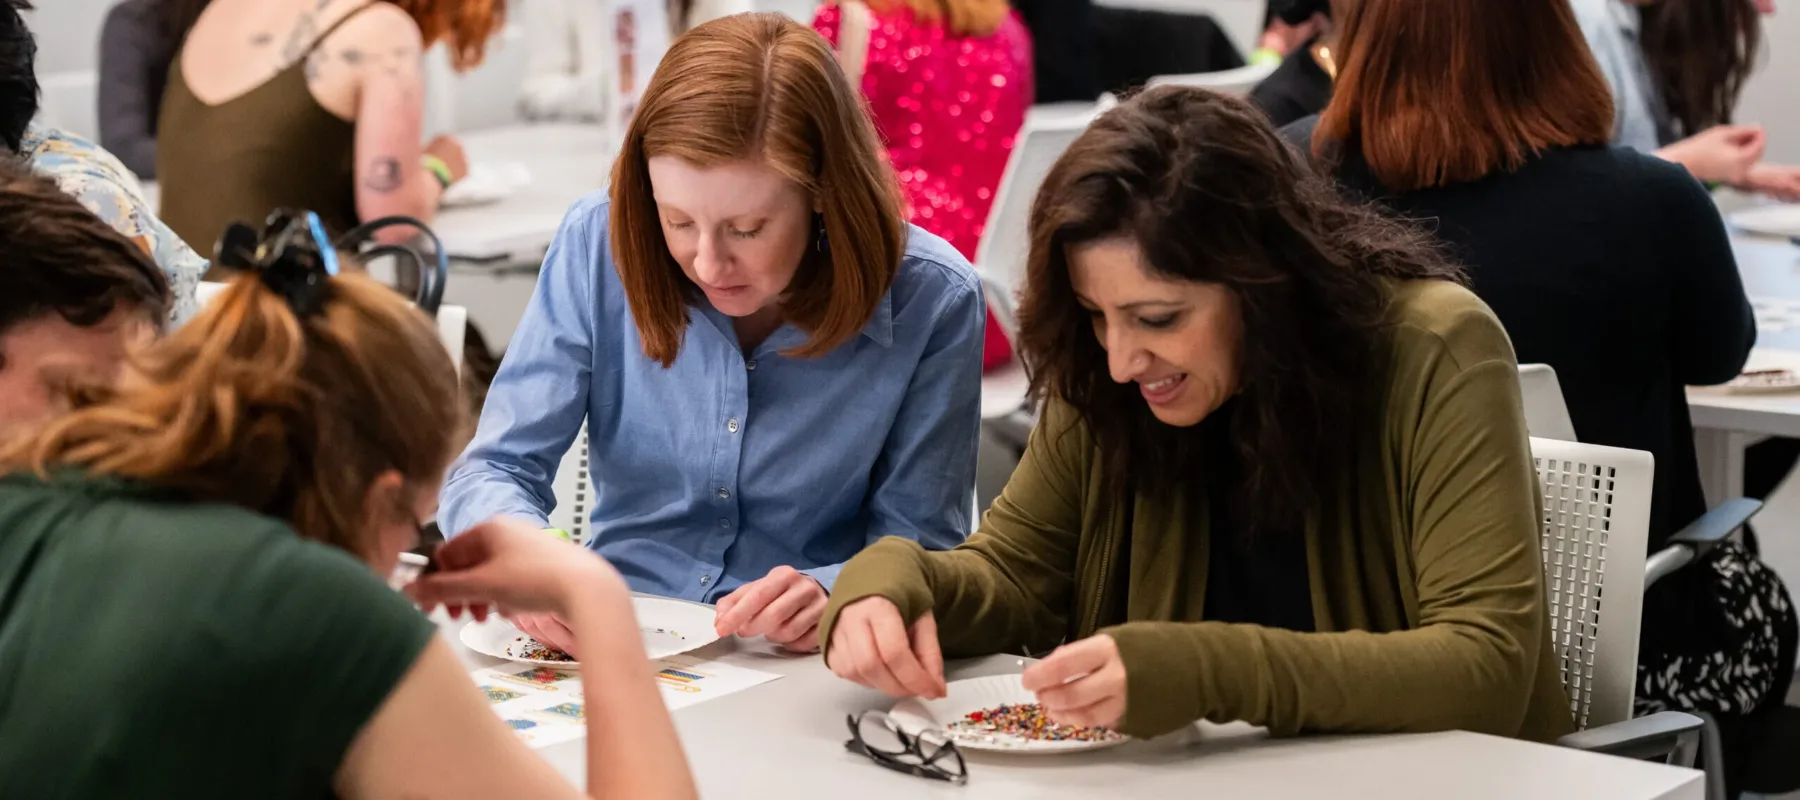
{"x": 544, "y": 705}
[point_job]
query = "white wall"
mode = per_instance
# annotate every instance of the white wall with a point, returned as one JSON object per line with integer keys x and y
{"x": 68, "y": 33}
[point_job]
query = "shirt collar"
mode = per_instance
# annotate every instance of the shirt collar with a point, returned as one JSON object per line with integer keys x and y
{"x": 880, "y": 329}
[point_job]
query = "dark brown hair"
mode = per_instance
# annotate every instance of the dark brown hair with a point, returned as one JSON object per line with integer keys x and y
{"x": 760, "y": 86}
{"x": 1211, "y": 194}
{"x": 1447, "y": 91}
{"x": 251, "y": 405}
{"x": 63, "y": 260}
{"x": 1701, "y": 53}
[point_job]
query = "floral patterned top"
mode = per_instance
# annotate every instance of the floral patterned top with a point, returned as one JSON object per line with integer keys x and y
{"x": 107, "y": 188}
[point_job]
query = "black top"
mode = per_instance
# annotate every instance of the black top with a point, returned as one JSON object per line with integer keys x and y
{"x": 1614, "y": 268}
{"x": 1257, "y": 577}
{"x": 1298, "y": 88}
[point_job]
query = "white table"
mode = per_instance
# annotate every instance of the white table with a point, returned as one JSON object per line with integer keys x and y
{"x": 565, "y": 161}
{"x": 785, "y": 739}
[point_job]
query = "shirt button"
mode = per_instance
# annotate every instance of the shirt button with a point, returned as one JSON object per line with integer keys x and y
{"x": 724, "y": 493}
{"x": 750, "y": 365}
{"x": 705, "y": 580}
{"x": 731, "y": 425}
{"x": 724, "y": 523}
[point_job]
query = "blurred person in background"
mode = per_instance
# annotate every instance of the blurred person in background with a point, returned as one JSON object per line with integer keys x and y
{"x": 83, "y": 169}
{"x": 948, "y": 83}
{"x": 315, "y": 104}
{"x": 1677, "y": 69}
{"x": 137, "y": 44}
{"x": 1301, "y": 86}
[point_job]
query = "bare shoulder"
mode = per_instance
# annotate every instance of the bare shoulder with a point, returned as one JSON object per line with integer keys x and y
{"x": 379, "y": 43}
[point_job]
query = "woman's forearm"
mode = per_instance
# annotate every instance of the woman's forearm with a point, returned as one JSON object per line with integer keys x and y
{"x": 633, "y": 751}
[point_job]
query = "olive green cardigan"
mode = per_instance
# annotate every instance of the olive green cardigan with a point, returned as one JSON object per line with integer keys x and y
{"x": 1426, "y": 573}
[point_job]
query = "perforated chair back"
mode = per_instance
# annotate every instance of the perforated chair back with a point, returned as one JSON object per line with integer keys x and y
{"x": 573, "y": 490}
{"x": 1596, "y": 529}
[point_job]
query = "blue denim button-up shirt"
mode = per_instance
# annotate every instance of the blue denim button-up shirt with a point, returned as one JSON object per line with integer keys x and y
{"x": 714, "y": 471}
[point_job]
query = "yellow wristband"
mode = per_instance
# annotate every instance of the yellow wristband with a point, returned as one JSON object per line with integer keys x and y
{"x": 1264, "y": 56}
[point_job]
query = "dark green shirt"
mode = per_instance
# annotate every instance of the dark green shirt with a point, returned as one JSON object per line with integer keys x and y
{"x": 151, "y": 647}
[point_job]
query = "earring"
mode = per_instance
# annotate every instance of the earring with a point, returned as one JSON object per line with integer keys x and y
{"x": 822, "y": 242}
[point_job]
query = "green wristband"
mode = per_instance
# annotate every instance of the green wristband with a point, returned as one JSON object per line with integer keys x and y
{"x": 1263, "y": 56}
{"x": 437, "y": 168}
{"x": 560, "y": 534}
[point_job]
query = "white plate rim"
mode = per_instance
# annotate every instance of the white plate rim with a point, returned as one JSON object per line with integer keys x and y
{"x": 472, "y": 633}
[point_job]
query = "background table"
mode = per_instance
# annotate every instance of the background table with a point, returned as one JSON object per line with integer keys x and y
{"x": 565, "y": 162}
{"x": 785, "y": 739}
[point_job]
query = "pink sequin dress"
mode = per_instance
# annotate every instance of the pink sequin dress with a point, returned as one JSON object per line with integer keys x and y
{"x": 948, "y": 108}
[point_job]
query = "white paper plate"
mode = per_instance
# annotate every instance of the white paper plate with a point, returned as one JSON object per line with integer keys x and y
{"x": 1770, "y": 220}
{"x": 978, "y": 694}
{"x": 670, "y": 627}
{"x": 1770, "y": 381}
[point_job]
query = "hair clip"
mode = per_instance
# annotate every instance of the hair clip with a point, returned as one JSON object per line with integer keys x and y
{"x": 292, "y": 255}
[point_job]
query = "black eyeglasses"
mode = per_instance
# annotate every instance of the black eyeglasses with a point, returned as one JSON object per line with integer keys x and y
{"x": 929, "y": 754}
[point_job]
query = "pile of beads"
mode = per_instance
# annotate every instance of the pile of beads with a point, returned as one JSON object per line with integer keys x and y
{"x": 1024, "y": 722}
{"x": 532, "y": 649}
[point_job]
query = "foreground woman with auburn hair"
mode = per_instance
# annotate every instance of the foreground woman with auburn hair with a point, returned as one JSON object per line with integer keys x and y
{"x": 193, "y": 559}
{"x": 774, "y": 368}
{"x": 1283, "y": 475}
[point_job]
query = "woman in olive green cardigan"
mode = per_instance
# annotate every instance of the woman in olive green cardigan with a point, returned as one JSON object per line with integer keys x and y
{"x": 1283, "y": 475}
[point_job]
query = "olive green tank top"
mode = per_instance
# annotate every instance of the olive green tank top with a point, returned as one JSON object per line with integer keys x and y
{"x": 271, "y": 147}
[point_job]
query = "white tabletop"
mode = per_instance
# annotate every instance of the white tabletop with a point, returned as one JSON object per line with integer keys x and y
{"x": 785, "y": 739}
{"x": 565, "y": 162}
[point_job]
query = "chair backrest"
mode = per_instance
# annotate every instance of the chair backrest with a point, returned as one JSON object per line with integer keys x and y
{"x": 573, "y": 490}
{"x": 1238, "y": 81}
{"x": 1596, "y": 531}
{"x": 1000, "y": 255}
{"x": 1546, "y": 415}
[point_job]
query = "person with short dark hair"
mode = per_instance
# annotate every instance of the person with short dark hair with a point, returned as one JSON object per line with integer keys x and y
{"x": 83, "y": 169}
{"x": 1282, "y": 476}
{"x": 76, "y": 294}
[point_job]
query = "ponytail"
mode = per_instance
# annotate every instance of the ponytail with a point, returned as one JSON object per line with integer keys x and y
{"x": 290, "y": 416}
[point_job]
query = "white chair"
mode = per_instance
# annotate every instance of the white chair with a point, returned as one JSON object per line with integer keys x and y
{"x": 1546, "y": 415}
{"x": 1238, "y": 81}
{"x": 1595, "y": 528}
{"x": 1006, "y": 239}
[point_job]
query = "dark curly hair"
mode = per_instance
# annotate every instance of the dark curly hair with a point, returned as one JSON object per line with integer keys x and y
{"x": 1211, "y": 193}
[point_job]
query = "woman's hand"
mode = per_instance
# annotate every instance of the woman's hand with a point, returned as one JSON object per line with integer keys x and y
{"x": 784, "y": 607}
{"x": 517, "y": 567}
{"x": 549, "y": 630}
{"x": 870, "y": 645}
{"x": 1722, "y": 153}
{"x": 1081, "y": 683}
{"x": 1780, "y": 181}
{"x": 450, "y": 150}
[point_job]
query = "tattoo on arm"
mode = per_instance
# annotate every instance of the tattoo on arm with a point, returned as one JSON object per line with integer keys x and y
{"x": 262, "y": 39}
{"x": 384, "y": 175}
{"x": 300, "y": 39}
